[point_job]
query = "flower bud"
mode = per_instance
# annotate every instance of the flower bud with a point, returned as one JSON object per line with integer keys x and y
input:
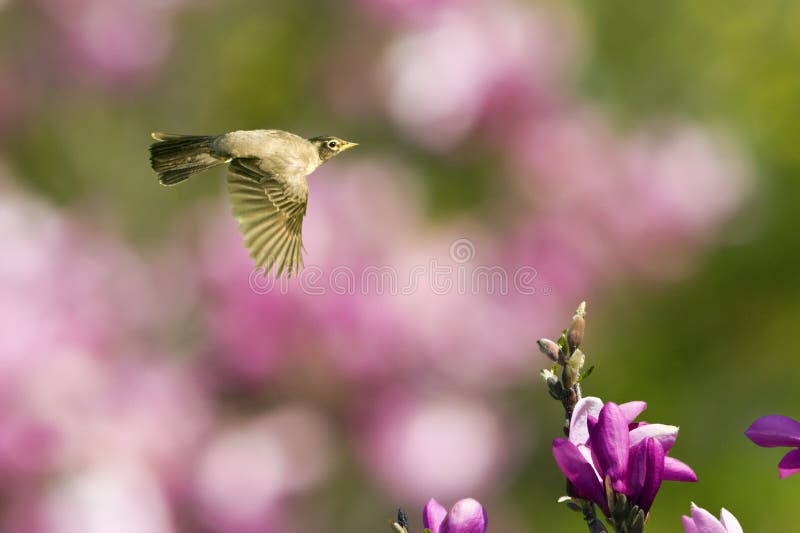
{"x": 553, "y": 384}
{"x": 576, "y": 328}
{"x": 466, "y": 516}
{"x": 402, "y": 518}
{"x": 550, "y": 349}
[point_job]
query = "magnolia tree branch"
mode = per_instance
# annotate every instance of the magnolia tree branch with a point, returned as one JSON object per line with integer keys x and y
{"x": 566, "y": 388}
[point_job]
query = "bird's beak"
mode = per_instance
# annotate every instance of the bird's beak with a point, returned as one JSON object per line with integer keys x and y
{"x": 347, "y": 145}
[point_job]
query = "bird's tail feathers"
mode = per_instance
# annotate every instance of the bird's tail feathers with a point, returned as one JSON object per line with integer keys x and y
{"x": 176, "y": 157}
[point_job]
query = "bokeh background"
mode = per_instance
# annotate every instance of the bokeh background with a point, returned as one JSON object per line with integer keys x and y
{"x": 640, "y": 155}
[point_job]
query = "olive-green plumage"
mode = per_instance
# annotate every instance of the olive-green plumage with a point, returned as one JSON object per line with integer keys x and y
{"x": 266, "y": 182}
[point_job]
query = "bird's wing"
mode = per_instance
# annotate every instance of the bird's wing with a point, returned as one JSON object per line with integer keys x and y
{"x": 270, "y": 214}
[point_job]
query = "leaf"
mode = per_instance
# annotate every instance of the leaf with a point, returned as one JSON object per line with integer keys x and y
{"x": 562, "y": 342}
{"x": 585, "y": 374}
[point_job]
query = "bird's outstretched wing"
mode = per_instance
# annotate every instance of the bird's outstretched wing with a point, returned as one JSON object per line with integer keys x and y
{"x": 270, "y": 213}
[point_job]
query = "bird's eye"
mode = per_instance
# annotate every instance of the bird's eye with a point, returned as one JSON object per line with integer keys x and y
{"x": 332, "y": 144}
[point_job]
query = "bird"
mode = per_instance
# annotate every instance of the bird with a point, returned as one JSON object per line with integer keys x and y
{"x": 266, "y": 182}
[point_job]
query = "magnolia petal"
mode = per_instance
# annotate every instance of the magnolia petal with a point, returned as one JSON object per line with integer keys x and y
{"x": 610, "y": 444}
{"x": 466, "y": 516}
{"x": 729, "y": 522}
{"x": 579, "y": 472}
{"x": 632, "y": 409}
{"x": 774, "y": 430}
{"x": 675, "y": 470}
{"x": 433, "y": 515}
{"x": 705, "y": 522}
{"x": 688, "y": 525}
{"x": 586, "y": 407}
{"x": 790, "y": 464}
{"x": 586, "y": 452}
{"x": 645, "y": 472}
{"x": 637, "y": 472}
{"x": 666, "y": 435}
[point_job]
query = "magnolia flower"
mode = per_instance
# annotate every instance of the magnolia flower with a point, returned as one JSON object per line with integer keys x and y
{"x": 466, "y": 516}
{"x": 633, "y": 456}
{"x": 775, "y": 430}
{"x": 702, "y": 521}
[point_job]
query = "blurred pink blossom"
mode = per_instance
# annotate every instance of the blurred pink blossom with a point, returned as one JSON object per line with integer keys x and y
{"x": 446, "y": 445}
{"x": 84, "y": 410}
{"x": 118, "y": 496}
{"x": 260, "y": 332}
{"x": 370, "y": 303}
{"x": 443, "y": 77}
{"x": 114, "y": 40}
{"x": 64, "y": 286}
{"x": 641, "y": 203}
{"x": 407, "y": 11}
{"x": 685, "y": 184}
{"x": 84, "y": 398}
{"x": 251, "y": 467}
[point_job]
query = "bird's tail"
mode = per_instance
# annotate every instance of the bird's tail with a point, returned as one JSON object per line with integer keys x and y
{"x": 176, "y": 157}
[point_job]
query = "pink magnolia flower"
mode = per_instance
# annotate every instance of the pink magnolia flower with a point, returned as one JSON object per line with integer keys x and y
{"x": 775, "y": 430}
{"x": 633, "y": 456}
{"x": 466, "y": 516}
{"x": 702, "y": 521}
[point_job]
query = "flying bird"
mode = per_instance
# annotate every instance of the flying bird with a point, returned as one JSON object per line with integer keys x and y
{"x": 267, "y": 184}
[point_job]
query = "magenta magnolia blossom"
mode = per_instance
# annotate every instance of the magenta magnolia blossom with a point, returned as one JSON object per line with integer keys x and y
{"x": 466, "y": 516}
{"x": 607, "y": 444}
{"x": 775, "y": 430}
{"x": 702, "y": 521}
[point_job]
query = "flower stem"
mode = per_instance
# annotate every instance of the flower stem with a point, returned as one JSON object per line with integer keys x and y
{"x": 569, "y": 402}
{"x": 594, "y": 524}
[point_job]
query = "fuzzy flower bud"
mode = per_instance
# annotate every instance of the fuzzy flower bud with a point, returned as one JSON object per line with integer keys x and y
{"x": 550, "y": 349}
{"x": 553, "y": 384}
{"x": 577, "y": 328}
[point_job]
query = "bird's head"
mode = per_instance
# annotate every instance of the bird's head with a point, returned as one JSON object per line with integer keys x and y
{"x": 328, "y": 147}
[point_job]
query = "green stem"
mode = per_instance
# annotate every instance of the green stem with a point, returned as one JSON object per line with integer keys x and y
{"x": 594, "y": 523}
